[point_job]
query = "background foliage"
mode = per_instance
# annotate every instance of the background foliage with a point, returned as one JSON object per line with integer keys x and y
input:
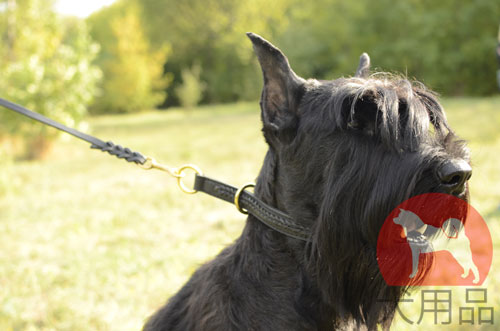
{"x": 190, "y": 91}
{"x": 448, "y": 44}
{"x": 159, "y": 53}
{"x": 132, "y": 70}
{"x": 45, "y": 64}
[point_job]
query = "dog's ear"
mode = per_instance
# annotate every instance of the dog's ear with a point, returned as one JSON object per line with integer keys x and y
{"x": 282, "y": 90}
{"x": 363, "y": 70}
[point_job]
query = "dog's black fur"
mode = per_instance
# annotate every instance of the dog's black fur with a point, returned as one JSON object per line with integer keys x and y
{"x": 342, "y": 154}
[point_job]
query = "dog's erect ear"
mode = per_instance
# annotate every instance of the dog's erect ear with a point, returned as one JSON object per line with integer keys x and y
{"x": 282, "y": 87}
{"x": 363, "y": 70}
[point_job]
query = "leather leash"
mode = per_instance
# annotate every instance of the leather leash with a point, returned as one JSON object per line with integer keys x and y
{"x": 245, "y": 202}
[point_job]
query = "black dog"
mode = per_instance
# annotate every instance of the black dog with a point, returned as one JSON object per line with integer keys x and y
{"x": 342, "y": 154}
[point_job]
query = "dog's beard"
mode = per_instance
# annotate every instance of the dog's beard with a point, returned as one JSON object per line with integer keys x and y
{"x": 344, "y": 246}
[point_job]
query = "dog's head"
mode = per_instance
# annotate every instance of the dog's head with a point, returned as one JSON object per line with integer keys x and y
{"x": 408, "y": 220}
{"x": 342, "y": 154}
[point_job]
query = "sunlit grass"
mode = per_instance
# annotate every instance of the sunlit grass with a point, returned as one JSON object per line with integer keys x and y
{"x": 89, "y": 242}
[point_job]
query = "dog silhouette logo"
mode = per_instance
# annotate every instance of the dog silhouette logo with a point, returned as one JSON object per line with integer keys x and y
{"x": 434, "y": 239}
{"x": 451, "y": 238}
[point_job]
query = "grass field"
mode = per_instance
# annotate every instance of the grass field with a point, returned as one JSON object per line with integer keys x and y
{"x": 89, "y": 242}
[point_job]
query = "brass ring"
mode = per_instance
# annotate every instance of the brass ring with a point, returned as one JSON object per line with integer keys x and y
{"x": 237, "y": 197}
{"x": 180, "y": 175}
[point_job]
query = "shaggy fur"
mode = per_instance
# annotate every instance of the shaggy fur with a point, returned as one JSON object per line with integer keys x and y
{"x": 342, "y": 154}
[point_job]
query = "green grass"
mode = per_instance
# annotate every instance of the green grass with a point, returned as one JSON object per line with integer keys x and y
{"x": 89, "y": 242}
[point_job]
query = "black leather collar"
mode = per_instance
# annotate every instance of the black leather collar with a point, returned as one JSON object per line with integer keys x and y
{"x": 268, "y": 215}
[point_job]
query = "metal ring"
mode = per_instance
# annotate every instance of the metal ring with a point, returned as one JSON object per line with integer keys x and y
{"x": 180, "y": 174}
{"x": 237, "y": 197}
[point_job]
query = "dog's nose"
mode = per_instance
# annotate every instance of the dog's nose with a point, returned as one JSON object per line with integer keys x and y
{"x": 453, "y": 175}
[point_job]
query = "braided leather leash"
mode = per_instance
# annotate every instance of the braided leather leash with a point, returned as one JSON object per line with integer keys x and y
{"x": 245, "y": 202}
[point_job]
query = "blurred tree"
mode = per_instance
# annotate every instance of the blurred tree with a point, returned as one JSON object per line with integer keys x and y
{"x": 191, "y": 90}
{"x": 322, "y": 39}
{"x": 447, "y": 44}
{"x": 46, "y": 66}
{"x": 133, "y": 72}
{"x": 212, "y": 33}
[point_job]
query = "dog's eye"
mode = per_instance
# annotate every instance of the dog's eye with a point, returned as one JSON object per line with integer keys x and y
{"x": 353, "y": 125}
{"x": 364, "y": 127}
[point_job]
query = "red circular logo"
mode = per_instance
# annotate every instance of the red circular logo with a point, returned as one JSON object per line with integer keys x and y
{"x": 434, "y": 239}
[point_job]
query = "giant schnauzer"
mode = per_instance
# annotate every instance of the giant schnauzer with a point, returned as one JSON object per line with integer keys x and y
{"x": 342, "y": 154}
